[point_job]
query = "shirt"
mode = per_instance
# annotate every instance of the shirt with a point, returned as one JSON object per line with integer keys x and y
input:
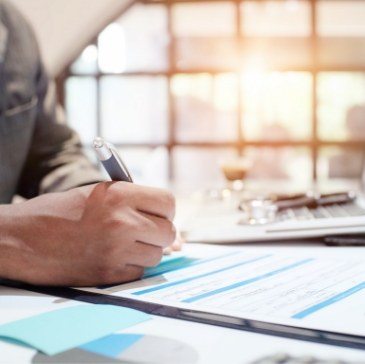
{"x": 39, "y": 153}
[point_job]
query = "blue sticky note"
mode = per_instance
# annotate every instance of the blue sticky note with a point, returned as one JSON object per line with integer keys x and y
{"x": 64, "y": 329}
{"x": 170, "y": 263}
{"x": 112, "y": 346}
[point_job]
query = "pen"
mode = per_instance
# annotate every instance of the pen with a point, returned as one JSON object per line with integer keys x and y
{"x": 111, "y": 161}
{"x": 345, "y": 240}
{"x": 315, "y": 201}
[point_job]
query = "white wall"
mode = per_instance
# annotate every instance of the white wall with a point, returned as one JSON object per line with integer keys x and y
{"x": 64, "y": 27}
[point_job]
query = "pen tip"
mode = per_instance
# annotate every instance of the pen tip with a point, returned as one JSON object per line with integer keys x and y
{"x": 98, "y": 142}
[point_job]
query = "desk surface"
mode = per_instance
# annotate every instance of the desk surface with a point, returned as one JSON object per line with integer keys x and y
{"x": 210, "y": 344}
{"x": 198, "y": 342}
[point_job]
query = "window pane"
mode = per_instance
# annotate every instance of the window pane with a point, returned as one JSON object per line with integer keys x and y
{"x": 81, "y": 106}
{"x": 341, "y": 105}
{"x": 277, "y": 105}
{"x": 345, "y": 52}
{"x": 276, "y": 18}
{"x": 341, "y": 18}
{"x": 292, "y": 164}
{"x": 203, "y": 19}
{"x": 134, "y": 109}
{"x": 279, "y": 52}
{"x": 206, "y": 53}
{"x": 338, "y": 163}
{"x": 203, "y": 167}
{"x": 205, "y": 107}
{"x": 87, "y": 61}
{"x": 147, "y": 166}
{"x": 137, "y": 41}
{"x": 341, "y": 28}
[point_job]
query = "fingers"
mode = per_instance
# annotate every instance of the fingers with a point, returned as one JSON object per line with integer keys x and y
{"x": 167, "y": 251}
{"x": 176, "y": 245}
{"x": 157, "y": 202}
{"x": 130, "y": 273}
{"x": 155, "y": 230}
{"x": 153, "y": 201}
{"x": 136, "y": 257}
{"x": 144, "y": 255}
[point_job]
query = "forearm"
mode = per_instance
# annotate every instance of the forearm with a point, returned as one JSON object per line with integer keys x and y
{"x": 10, "y": 245}
{"x": 18, "y": 256}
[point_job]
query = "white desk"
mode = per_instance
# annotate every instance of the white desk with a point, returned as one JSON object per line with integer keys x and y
{"x": 211, "y": 344}
{"x": 202, "y": 343}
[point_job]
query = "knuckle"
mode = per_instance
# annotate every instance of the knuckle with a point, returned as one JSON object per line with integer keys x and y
{"x": 170, "y": 233}
{"x": 170, "y": 203}
{"x": 145, "y": 225}
{"x": 121, "y": 219}
{"x": 132, "y": 224}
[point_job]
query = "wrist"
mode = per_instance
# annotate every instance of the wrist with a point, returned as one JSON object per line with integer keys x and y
{"x": 9, "y": 242}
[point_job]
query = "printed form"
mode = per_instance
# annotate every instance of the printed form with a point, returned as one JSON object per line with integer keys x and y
{"x": 305, "y": 287}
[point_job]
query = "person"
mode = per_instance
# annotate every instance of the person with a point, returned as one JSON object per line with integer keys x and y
{"x": 350, "y": 163}
{"x": 72, "y": 229}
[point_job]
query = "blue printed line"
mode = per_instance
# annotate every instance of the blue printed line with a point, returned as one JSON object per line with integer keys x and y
{"x": 165, "y": 267}
{"x": 188, "y": 265}
{"x": 329, "y": 301}
{"x": 245, "y": 282}
{"x": 196, "y": 262}
{"x": 185, "y": 280}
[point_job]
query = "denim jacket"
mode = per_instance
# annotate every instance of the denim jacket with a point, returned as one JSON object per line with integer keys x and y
{"x": 38, "y": 152}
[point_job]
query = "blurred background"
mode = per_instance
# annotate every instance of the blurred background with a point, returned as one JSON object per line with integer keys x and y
{"x": 180, "y": 86}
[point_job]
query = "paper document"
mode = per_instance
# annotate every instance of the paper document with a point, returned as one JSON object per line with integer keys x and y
{"x": 307, "y": 288}
{"x": 169, "y": 263}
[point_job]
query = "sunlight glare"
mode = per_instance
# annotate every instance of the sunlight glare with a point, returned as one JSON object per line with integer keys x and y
{"x": 112, "y": 49}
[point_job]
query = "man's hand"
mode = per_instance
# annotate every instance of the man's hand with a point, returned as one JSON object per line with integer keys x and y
{"x": 99, "y": 234}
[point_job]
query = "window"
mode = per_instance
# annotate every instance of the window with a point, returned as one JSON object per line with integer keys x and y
{"x": 205, "y": 107}
{"x": 179, "y": 86}
{"x": 277, "y": 105}
{"x": 133, "y": 109}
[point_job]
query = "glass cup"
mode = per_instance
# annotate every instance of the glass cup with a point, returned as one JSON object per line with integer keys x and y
{"x": 235, "y": 170}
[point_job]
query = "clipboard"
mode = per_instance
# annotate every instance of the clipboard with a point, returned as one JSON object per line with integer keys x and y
{"x": 260, "y": 327}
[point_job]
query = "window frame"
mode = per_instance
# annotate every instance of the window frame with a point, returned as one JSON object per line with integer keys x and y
{"x": 314, "y": 144}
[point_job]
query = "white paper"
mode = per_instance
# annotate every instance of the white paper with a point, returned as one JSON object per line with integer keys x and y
{"x": 299, "y": 287}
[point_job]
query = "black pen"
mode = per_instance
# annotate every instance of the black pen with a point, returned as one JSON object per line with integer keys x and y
{"x": 111, "y": 161}
{"x": 345, "y": 240}
{"x": 314, "y": 201}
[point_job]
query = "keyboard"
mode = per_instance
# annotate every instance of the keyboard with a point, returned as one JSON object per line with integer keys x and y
{"x": 337, "y": 210}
